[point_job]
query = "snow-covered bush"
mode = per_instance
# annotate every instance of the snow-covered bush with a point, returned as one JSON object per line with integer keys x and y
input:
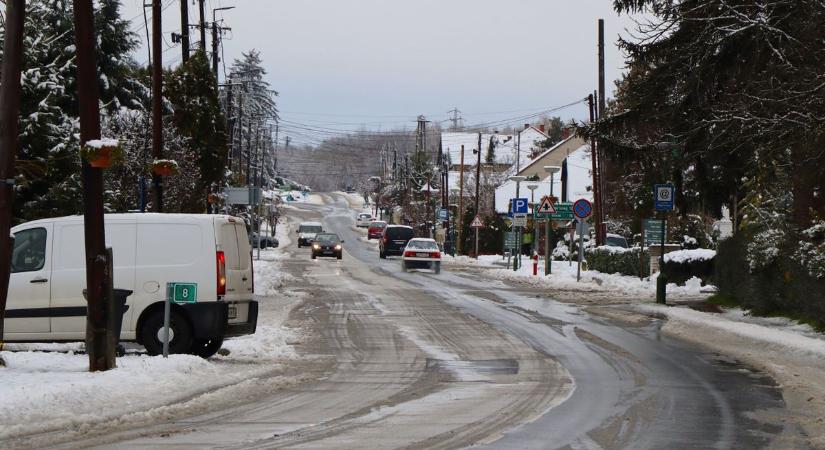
{"x": 811, "y": 251}
{"x": 626, "y": 261}
{"x": 680, "y": 266}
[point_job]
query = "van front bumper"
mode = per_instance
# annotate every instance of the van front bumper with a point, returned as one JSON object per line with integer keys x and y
{"x": 247, "y": 327}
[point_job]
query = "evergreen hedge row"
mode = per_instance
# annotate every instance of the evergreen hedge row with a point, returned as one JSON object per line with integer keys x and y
{"x": 679, "y": 272}
{"x": 618, "y": 260}
{"x": 783, "y": 287}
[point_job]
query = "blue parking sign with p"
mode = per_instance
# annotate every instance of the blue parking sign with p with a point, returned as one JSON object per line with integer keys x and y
{"x": 519, "y": 206}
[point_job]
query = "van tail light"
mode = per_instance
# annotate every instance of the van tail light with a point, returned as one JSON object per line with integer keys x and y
{"x": 435, "y": 255}
{"x": 221, "y": 272}
{"x": 409, "y": 254}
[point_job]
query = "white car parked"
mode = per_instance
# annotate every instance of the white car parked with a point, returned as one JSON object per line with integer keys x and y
{"x": 421, "y": 253}
{"x": 46, "y": 303}
{"x": 363, "y": 220}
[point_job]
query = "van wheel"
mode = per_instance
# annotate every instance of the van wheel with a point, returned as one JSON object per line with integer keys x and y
{"x": 340, "y": 256}
{"x": 180, "y": 333}
{"x": 206, "y": 347}
{"x": 313, "y": 256}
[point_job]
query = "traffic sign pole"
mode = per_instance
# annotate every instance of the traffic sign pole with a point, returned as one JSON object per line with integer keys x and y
{"x": 548, "y": 265}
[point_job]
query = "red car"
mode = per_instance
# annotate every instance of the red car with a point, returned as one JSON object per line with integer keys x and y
{"x": 376, "y": 229}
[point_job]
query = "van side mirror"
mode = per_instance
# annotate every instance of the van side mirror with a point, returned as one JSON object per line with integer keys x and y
{"x": 342, "y": 242}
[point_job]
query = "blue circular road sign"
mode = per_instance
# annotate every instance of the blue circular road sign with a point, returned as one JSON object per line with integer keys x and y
{"x": 582, "y": 208}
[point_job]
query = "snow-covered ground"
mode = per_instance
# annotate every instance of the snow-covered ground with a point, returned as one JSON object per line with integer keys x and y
{"x": 48, "y": 387}
{"x": 563, "y": 278}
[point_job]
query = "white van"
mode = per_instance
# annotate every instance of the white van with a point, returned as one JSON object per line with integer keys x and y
{"x": 46, "y": 303}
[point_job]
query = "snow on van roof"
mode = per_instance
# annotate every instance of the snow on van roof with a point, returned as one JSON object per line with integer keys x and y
{"x": 311, "y": 224}
{"x": 137, "y": 217}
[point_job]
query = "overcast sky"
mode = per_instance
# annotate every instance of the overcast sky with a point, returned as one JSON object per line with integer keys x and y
{"x": 379, "y": 63}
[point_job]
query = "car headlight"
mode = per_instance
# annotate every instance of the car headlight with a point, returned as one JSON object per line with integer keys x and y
{"x": 338, "y": 247}
{"x": 316, "y": 246}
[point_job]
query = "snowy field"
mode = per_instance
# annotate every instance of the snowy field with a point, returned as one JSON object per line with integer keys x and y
{"x": 52, "y": 390}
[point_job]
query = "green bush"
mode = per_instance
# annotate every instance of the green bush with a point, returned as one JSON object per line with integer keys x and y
{"x": 679, "y": 271}
{"x": 618, "y": 260}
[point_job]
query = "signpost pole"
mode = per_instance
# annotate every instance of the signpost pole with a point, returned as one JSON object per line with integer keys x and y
{"x": 661, "y": 280}
{"x": 166, "y": 313}
{"x": 476, "y": 252}
{"x": 548, "y": 265}
{"x": 581, "y": 255}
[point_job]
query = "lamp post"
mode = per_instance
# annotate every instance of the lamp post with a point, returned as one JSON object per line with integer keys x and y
{"x": 533, "y": 186}
{"x": 517, "y": 260}
{"x": 548, "y": 264}
{"x": 377, "y": 180}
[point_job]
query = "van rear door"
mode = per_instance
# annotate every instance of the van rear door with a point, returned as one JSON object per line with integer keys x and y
{"x": 234, "y": 243}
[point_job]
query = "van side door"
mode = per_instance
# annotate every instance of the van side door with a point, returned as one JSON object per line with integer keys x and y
{"x": 27, "y": 309}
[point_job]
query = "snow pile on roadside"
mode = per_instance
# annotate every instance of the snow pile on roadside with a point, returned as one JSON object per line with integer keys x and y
{"x": 685, "y": 256}
{"x": 43, "y": 391}
{"x": 563, "y": 278}
{"x": 763, "y": 337}
{"x": 356, "y": 201}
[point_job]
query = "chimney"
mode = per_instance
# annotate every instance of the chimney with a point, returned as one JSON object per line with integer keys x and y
{"x": 526, "y": 126}
{"x": 566, "y": 132}
{"x": 541, "y": 128}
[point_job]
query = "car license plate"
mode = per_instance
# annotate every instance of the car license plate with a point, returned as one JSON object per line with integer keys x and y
{"x": 233, "y": 312}
{"x": 422, "y": 255}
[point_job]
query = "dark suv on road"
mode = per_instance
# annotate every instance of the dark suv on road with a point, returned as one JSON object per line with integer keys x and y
{"x": 393, "y": 240}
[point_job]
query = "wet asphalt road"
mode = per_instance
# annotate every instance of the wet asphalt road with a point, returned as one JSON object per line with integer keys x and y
{"x": 418, "y": 360}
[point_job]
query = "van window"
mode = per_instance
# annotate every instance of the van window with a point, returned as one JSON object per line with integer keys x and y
{"x": 310, "y": 229}
{"x": 399, "y": 233}
{"x": 29, "y": 254}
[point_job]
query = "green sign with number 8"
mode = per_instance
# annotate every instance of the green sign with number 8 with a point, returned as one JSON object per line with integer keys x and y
{"x": 183, "y": 292}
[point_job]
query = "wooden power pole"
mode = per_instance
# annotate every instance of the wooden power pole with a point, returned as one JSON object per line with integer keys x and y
{"x": 99, "y": 346}
{"x": 184, "y": 30}
{"x": 157, "y": 97}
{"x": 9, "y": 112}
{"x": 597, "y": 152}
{"x": 202, "y": 26}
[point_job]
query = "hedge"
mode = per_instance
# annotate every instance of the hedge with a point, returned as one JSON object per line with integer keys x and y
{"x": 783, "y": 287}
{"x": 625, "y": 261}
{"x": 683, "y": 265}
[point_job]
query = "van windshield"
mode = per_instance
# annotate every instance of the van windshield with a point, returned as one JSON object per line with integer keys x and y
{"x": 399, "y": 233}
{"x": 326, "y": 238}
{"x": 309, "y": 229}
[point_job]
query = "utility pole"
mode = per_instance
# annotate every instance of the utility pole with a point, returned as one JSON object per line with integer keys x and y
{"x": 9, "y": 112}
{"x": 216, "y": 36}
{"x": 184, "y": 30}
{"x": 478, "y": 185}
{"x": 99, "y": 295}
{"x": 275, "y": 158}
{"x": 600, "y": 213}
{"x": 459, "y": 243}
{"x": 597, "y": 204}
{"x": 157, "y": 97}
{"x": 202, "y": 26}
{"x": 455, "y": 119}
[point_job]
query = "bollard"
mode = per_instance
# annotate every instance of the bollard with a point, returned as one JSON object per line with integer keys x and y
{"x": 661, "y": 288}
{"x": 535, "y": 263}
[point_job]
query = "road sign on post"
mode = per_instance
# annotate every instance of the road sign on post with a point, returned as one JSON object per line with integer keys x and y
{"x": 178, "y": 293}
{"x": 564, "y": 211}
{"x": 582, "y": 208}
{"x": 520, "y": 220}
{"x": 663, "y": 197}
{"x": 519, "y": 206}
{"x": 476, "y": 223}
{"x": 652, "y": 229}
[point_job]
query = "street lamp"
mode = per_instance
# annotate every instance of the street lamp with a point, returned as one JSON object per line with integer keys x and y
{"x": 533, "y": 186}
{"x": 377, "y": 180}
{"x": 518, "y": 179}
{"x": 548, "y": 264}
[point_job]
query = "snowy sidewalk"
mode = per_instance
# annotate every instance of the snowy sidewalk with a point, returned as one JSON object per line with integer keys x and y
{"x": 43, "y": 391}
